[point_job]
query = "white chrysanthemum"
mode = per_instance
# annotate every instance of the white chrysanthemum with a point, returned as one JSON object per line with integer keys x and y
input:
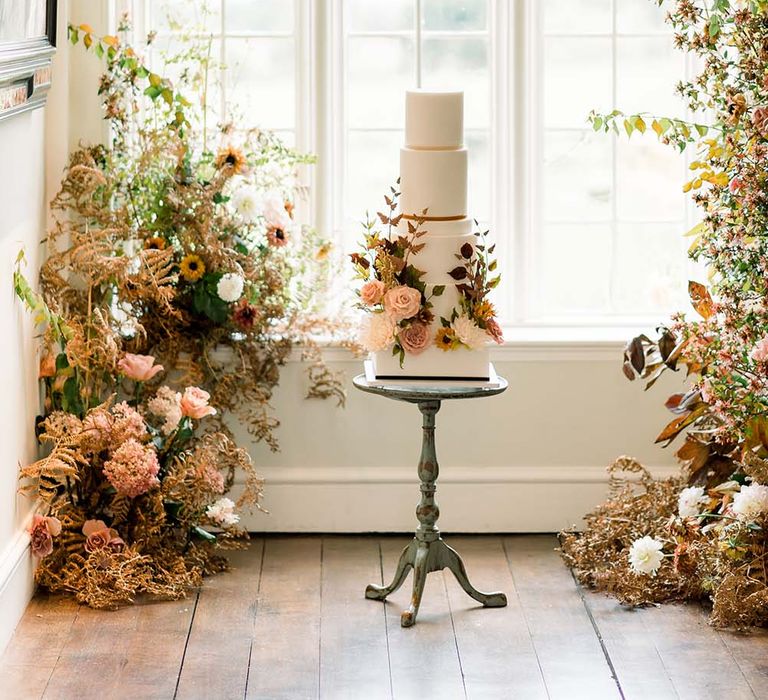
{"x": 377, "y": 332}
{"x": 223, "y": 513}
{"x": 750, "y": 502}
{"x": 469, "y": 333}
{"x": 247, "y": 204}
{"x": 273, "y": 209}
{"x": 689, "y": 501}
{"x": 645, "y": 555}
{"x": 230, "y": 287}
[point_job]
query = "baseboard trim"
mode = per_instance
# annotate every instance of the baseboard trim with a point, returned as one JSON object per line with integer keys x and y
{"x": 16, "y": 583}
{"x": 472, "y": 499}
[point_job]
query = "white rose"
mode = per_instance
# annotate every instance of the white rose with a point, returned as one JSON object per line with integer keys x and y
{"x": 750, "y": 502}
{"x": 247, "y": 204}
{"x": 223, "y": 513}
{"x": 377, "y": 332}
{"x": 230, "y": 287}
{"x": 690, "y": 500}
{"x": 274, "y": 211}
{"x": 645, "y": 555}
{"x": 469, "y": 333}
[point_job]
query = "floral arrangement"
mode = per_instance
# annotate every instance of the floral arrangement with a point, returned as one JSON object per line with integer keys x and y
{"x": 399, "y": 305}
{"x": 176, "y": 284}
{"x": 703, "y": 536}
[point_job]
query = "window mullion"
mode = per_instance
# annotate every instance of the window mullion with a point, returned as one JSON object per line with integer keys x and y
{"x": 417, "y": 34}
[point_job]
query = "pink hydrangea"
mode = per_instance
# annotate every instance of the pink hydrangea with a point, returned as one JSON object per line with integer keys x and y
{"x": 127, "y": 423}
{"x": 133, "y": 468}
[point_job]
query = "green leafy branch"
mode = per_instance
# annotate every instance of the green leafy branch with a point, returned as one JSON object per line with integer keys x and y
{"x": 675, "y": 131}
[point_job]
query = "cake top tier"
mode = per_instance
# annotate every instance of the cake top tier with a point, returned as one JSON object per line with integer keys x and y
{"x": 434, "y": 120}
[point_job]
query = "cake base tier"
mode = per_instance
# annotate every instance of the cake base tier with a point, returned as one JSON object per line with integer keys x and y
{"x": 433, "y": 363}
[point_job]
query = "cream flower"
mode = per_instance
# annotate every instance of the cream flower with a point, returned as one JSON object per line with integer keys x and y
{"x": 469, "y": 333}
{"x": 402, "y": 302}
{"x": 230, "y": 287}
{"x": 222, "y": 512}
{"x": 166, "y": 404}
{"x": 750, "y": 502}
{"x": 645, "y": 555}
{"x": 377, "y": 332}
{"x": 690, "y": 500}
{"x": 247, "y": 203}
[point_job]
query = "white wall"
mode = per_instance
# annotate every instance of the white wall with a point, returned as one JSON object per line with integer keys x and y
{"x": 532, "y": 459}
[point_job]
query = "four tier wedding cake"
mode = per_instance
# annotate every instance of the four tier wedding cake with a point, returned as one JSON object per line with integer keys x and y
{"x": 429, "y": 276}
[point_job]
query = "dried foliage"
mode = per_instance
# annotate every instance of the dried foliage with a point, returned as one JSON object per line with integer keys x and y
{"x": 176, "y": 286}
{"x": 707, "y": 540}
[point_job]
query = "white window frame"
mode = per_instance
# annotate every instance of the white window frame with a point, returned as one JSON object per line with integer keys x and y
{"x": 320, "y": 128}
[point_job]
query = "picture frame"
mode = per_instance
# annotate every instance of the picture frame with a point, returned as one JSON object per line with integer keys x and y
{"x": 27, "y": 45}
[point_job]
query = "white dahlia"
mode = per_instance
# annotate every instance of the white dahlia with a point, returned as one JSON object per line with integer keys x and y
{"x": 689, "y": 501}
{"x": 230, "y": 287}
{"x": 750, "y": 502}
{"x": 645, "y": 555}
{"x": 247, "y": 204}
{"x": 377, "y": 332}
{"x": 469, "y": 333}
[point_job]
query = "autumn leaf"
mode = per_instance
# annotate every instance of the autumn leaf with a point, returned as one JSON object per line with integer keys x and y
{"x": 458, "y": 273}
{"x": 701, "y": 299}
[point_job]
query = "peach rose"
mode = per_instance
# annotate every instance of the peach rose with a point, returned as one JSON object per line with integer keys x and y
{"x": 42, "y": 531}
{"x": 194, "y": 403}
{"x": 402, "y": 302}
{"x": 140, "y": 368}
{"x": 372, "y": 292}
{"x": 99, "y": 536}
{"x": 414, "y": 339}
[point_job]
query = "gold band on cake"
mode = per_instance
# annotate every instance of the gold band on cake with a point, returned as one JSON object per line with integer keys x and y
{"x": 414, "y": 217}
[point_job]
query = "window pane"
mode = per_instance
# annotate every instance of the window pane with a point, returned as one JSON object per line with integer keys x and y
{"x": 577, "y": 16}
{"x": 454, "y": 15}
{"x": 460, "y": 63}
{"x": 576, "y": 179}
{"x": 259, "y": 15}
{"x": 640, "y": 18}
{"x": 650, "y": 268}
{"x": 260, "y": 80}
{"x": 572, "y": 269}
{"x": 649, "y": 181}
{"x": 379, "y": 70}
{"x": 373, "y": 165}
{"x": 649, "y": 69}
{"x": 479, "y": 175}
{"x": 378, "y": 16}
{"x": 577, "y": 79}
{"x": 172, "y": 15}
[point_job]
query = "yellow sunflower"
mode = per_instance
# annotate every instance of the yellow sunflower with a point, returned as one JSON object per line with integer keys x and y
{"x": 445, "y": 338}
{"x": 231, "y": 160}
{"x": 192, "y": 268}
{"x": 485, "y": 310}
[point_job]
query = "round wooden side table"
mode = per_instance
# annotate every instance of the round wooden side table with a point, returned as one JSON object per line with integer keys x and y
{"x": 428, "y": 552}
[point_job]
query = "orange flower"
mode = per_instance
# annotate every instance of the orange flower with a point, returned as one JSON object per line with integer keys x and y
{"x": 484, "y": 310}
{"x": 232, "y": 161}
{"x": 155, "y": 243}
{"x": 277, "y": 237}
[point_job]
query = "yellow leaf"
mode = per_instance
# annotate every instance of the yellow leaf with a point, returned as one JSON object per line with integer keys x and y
{"x": 110, "y": 40}
{"x": 687, "y": 186}
{"x": 698, "y": 228}
{"x": 87, "y": 40}
{"x": 657, "y": 127}
{"x": 640, "y": 124}
{"x": 87, "y": 28}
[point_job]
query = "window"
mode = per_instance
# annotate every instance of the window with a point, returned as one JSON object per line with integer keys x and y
{"x": 588, "y": 226}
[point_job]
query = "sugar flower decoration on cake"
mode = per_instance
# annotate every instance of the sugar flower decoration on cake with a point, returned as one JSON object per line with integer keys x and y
{"x": 377, "y": 332}
{"x": 646, "y": 555}
{"x": 414, "y": 338}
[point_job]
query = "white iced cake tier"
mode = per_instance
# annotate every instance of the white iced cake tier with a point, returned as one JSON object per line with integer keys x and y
{"x": 433, "y": 176}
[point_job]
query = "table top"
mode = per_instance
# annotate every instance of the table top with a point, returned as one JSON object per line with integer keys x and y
{"x": 414, "y": 392}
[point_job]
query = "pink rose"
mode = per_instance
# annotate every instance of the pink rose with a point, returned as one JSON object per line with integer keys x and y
{"x": 493, "y": 329}
{"x": 194, "y": 403}
{"x": 99, "y": 536}
{"x": 372, "y": 292}
{"x": 414, "y": 339}
{"x": 402, "y": 302}
{"x": 140, "y": 368}
{"x": 760, "y": 351}
{"x": 42, "y": 531}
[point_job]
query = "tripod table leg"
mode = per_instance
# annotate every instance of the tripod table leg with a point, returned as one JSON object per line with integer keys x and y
{"x": 375, "y": 592}
{"x": 456, "y": 565}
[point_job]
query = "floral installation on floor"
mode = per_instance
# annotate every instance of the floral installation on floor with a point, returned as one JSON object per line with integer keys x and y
{"x": 177, "y": 283}
{"x": 398, "y": 305}
{"x": 702, "y": 535}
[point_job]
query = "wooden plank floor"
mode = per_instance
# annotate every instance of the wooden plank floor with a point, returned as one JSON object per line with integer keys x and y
{"x": 291, "y": 621}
